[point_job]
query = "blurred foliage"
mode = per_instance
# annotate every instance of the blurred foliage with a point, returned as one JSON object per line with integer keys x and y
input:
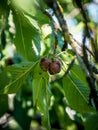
{"x": 31, "y": 99}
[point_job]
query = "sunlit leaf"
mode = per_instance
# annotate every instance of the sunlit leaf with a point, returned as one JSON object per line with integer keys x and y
{"x": 40, "y": 97}
{"x": 18, "y": 74}
{"x": 27, "y": 39}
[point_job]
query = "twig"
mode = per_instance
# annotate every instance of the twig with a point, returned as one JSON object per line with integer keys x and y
{"x": 54, "y": 28}
{"x": 90, "y": 78}
{"x": 56, "y": 42}
{"x": 65, "y": 32}
{"x": 58, "y": 12}
{"x": 81, "y": 45}
{"x": 93, "y": 68}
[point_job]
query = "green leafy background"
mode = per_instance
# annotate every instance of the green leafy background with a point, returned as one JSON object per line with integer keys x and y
{"x": 36, "y": 98}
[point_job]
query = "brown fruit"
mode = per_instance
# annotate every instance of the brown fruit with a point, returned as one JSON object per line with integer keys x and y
{"x": 9, "y": 61}
{"x": 44, "y": 64}
{"x": 55, "y": 67}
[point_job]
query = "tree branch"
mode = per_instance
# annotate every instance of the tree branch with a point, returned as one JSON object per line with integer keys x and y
{"x": 84, "y": 65}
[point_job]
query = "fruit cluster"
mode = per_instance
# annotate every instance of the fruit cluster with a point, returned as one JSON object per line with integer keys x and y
{"x": 53, "y": 67}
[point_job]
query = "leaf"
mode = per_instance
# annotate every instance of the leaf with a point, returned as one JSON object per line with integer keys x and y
{"x": 91, "y": 122}
{"x": 4, "y": 80}
{"x": 19, "y": 73}
{"x": 45, "y": 119}
{"x": 32, "y": 10}
{"x": 4, "y": 104}
{"x": 79, "y": 77}
{"x": 3, "y": 7}
{"x": 37, "y": 5}
{"x": 77, "y": 73}
{"x": 20, "y": 113}
{"x": 40, "y": 97}
{"x": 27, "y": 36}
{"x": 76, "y": 94}
{"x": 24, "y": 36}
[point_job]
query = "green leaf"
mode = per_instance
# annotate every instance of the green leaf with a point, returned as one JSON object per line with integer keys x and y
{"x": 24, "y": 36}
{"x": 91, "y": 122}
{"x": 3, "y": 7}
{"x": 32, "y": 10}
{"x": 76, "y": 94}
{"x": 79, "y": 78}
{"x": 27, "y": 39}
{"x": 40, "y": 97}
{"x": 3, "y": 104}
{"x": 45, "y": 119}
{"x": 77, "y": 73}
{"x": 4, "y": 80}
{"x": 43, "y": 19}
{"x": 19, "y": 73}
{"x": 20, "y": 113}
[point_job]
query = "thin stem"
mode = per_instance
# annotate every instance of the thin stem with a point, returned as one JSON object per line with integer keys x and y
{"x": 55, "y": 43}
{"x": 81, "y": 45}
{"x": 54, "y": 28}
{"x": 84, "y": 66}
{"x": 58, "y": 12}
